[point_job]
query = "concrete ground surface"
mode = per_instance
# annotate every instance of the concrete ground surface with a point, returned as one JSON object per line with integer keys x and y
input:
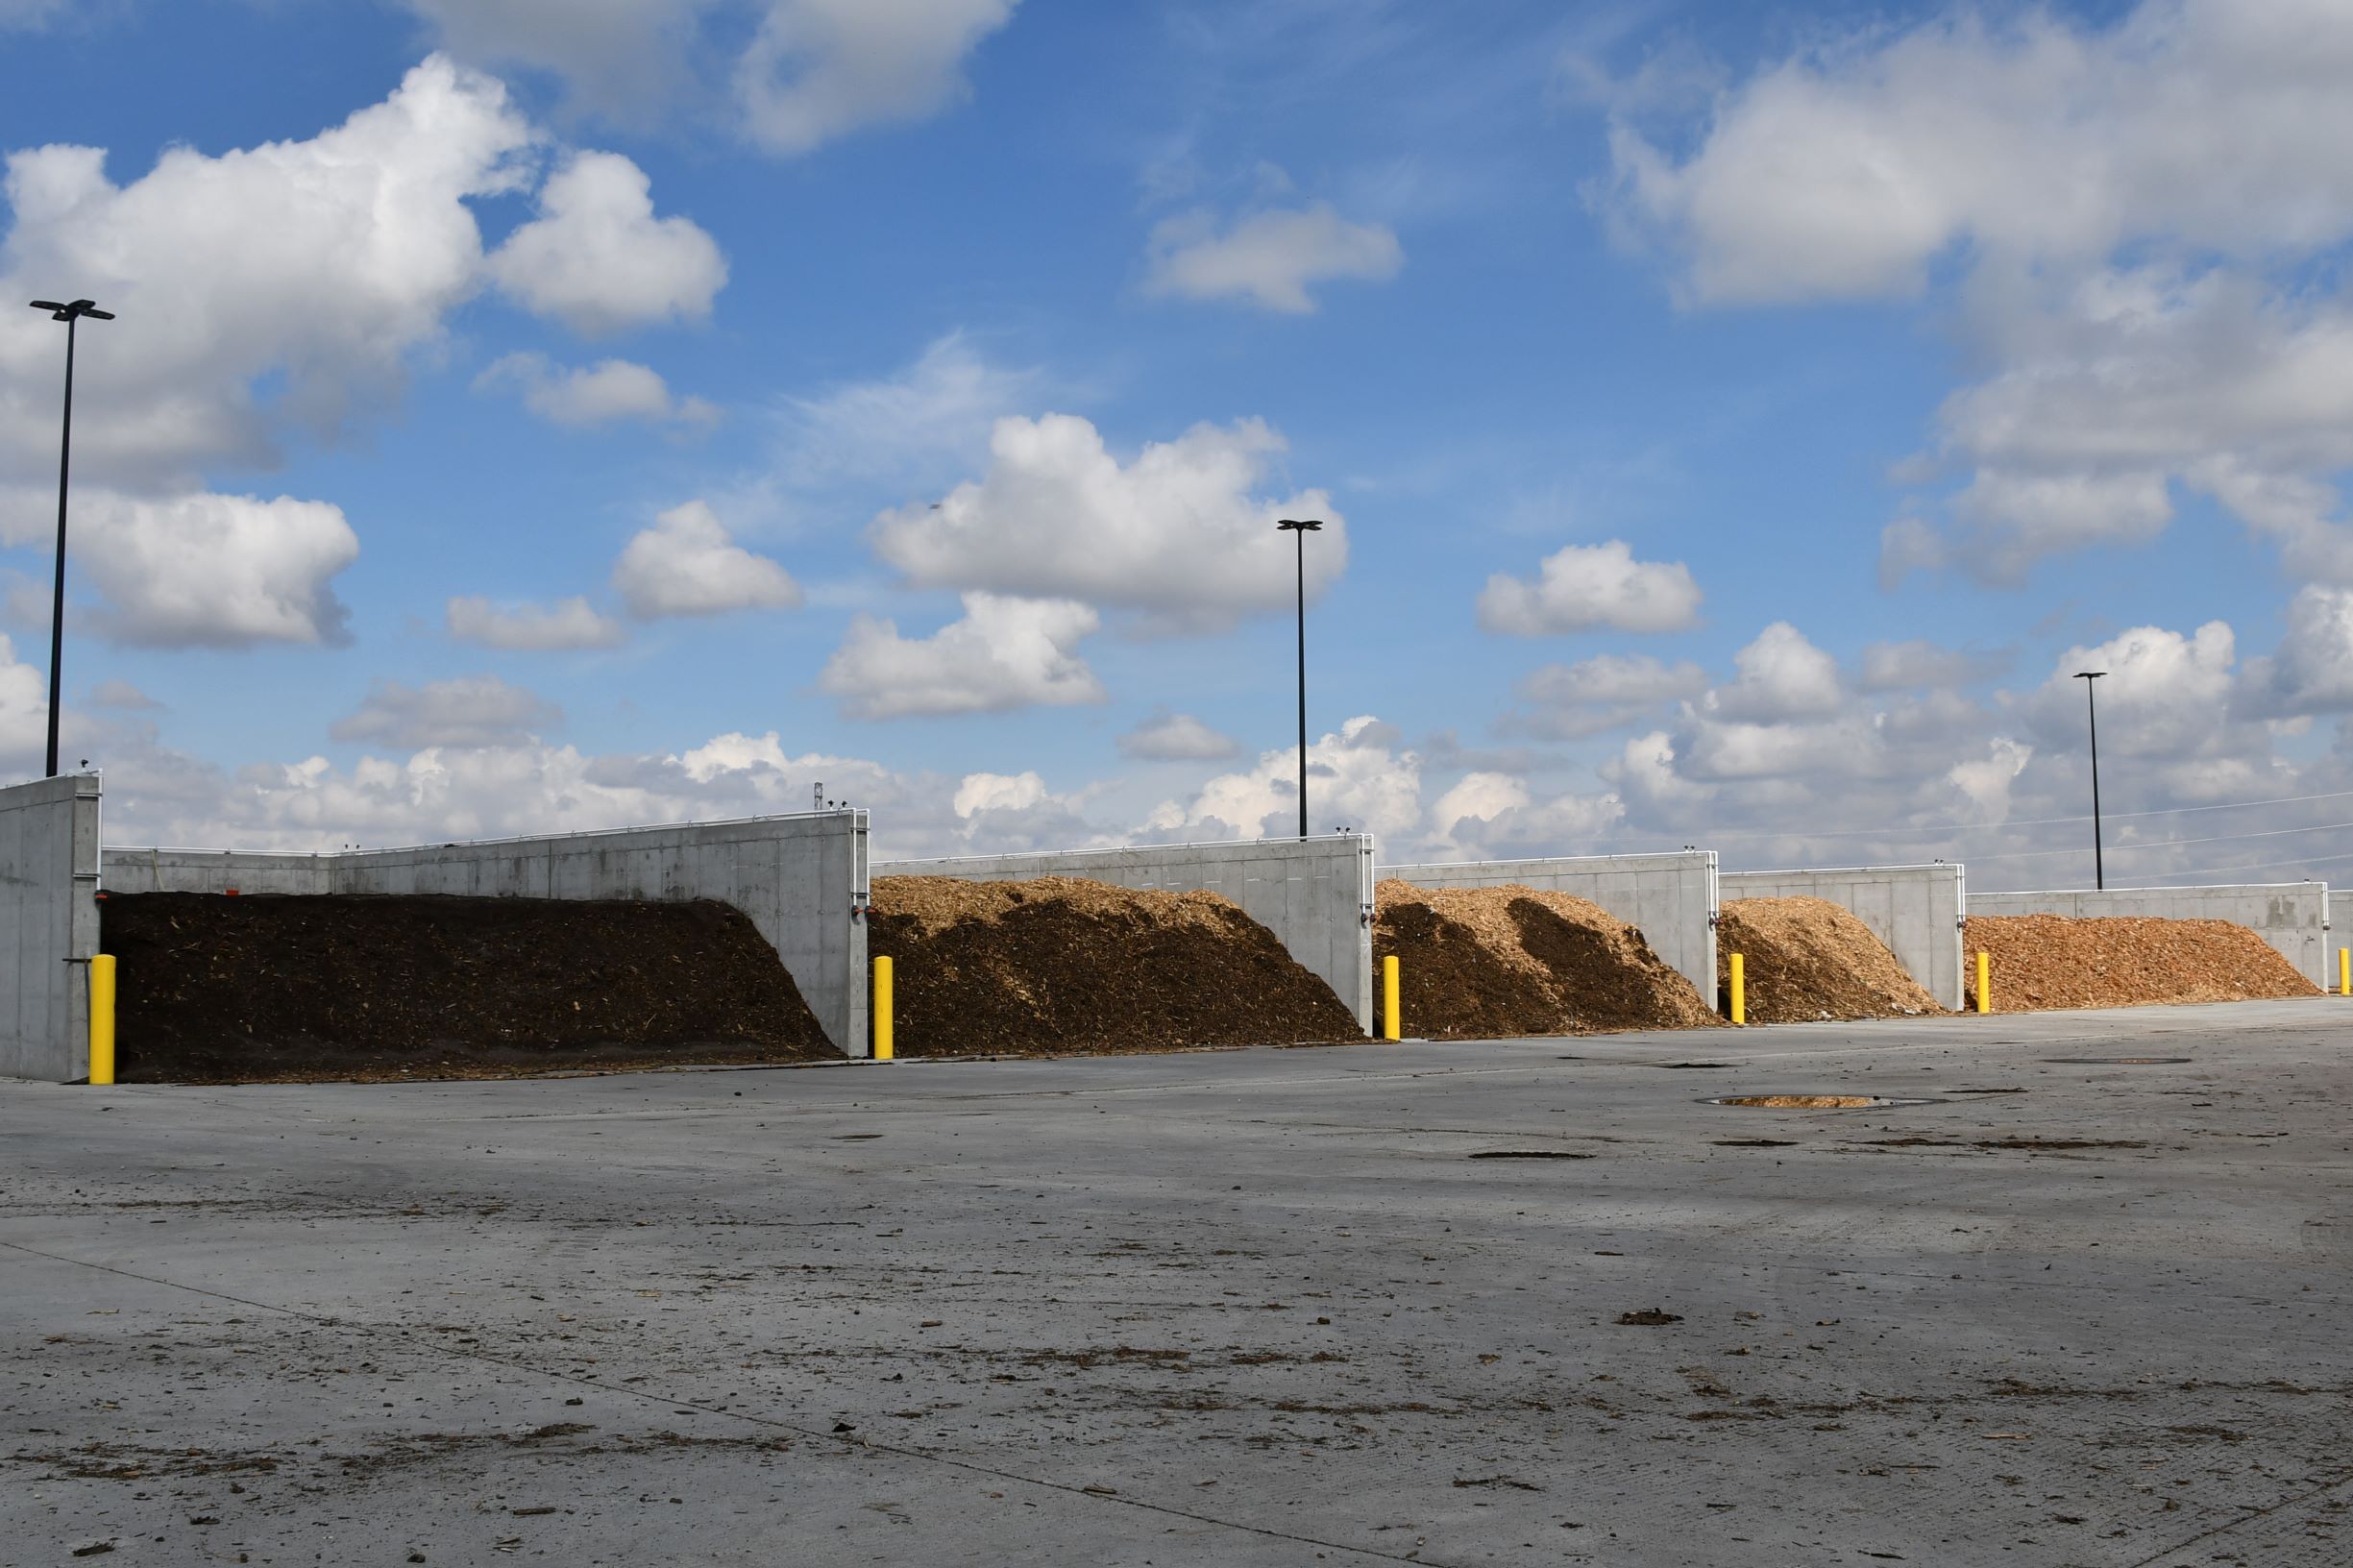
{"x": 1269, "y": 1307}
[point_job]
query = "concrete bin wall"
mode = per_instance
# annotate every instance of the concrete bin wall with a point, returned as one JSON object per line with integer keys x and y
{"x": 48, "y": 926}
{"x": 2340, "y": 930}
{"x": 1314, "y": 895}
{"x": 1916, "y": 909}
{"x": 2292, "y": 917}
{"x": 800, "y": 879}
{"x": 1670, "y": 898}
{"x": 216, "y": 871}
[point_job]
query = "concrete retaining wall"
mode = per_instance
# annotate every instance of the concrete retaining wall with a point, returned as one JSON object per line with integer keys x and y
{"x": 2292, "y": 917}
{"x": 1916, "y": 909}
{"x": 801, "y": 879}
{"x": 1314, "y": 895}
{"x": 1670, "y": 898}
{"x": 2340, "y": 930}
{"x": 216, "y": 871}
{"x": 48, "y": 926}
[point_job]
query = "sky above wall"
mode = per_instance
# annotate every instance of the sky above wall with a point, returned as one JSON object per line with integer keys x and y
{"x": 1734, "y": 425}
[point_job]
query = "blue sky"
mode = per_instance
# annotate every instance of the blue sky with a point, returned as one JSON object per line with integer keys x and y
{"x": 1738, "y": 421}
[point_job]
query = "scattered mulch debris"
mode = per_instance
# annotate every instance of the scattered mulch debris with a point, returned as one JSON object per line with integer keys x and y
{"x": 2052, "y": 960}
{"x": 1650, "y": 1317}
{"x": 276, "y": 988}
{"x": 1808, "y": 959}
{"x": 1060, "y": 964}
{"x": 1493, "y": 963}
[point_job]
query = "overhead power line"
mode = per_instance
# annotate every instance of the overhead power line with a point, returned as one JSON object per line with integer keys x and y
{"x": 2170, "y": 843}
{"x": 2025, "y": 822}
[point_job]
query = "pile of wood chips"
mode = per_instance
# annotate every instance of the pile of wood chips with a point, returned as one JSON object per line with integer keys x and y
{"x": 2051, "y": 961}
{"x": 268, "y": 988}
{"x": 1808, "y": 959}
{"x": 1494, "y": 963}
{"x": 1063, "y": 966}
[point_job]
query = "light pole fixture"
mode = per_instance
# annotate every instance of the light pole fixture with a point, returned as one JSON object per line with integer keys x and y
{"x": 1299, "y": 531}
{"x": 71, "y": 315}
{"x": 2100, "y": 875}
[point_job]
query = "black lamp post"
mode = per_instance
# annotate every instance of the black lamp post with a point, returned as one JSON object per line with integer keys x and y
{"x": 71, "y": 315}
{"x": 1299, "y": 531}
{"x": 2100, "y": 875}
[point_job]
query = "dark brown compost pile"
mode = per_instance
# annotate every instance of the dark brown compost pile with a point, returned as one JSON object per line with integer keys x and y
{"x": 1062, "y": 965}
{"x": 1808, "y": 959}
{"x": 274, "y": 989}
{"x": 1492, "y": 963}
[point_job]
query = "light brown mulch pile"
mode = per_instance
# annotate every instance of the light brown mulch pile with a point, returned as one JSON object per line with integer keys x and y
{"x": 1808, "y": 959}
{"x": 1493, "y": 963}
{"x": 1063, "y": 966}
{"x": 271, "y": 989}
{"x": 2050, "y": 961}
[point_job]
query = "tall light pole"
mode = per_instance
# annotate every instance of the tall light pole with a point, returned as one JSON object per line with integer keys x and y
{"x": 71, "y": 315}
{"x": 1299, "y": 531}
{"x": 2100, "y": 875}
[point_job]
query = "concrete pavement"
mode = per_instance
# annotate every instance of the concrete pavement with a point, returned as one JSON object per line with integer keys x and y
{"x": 1349, "y": 1305}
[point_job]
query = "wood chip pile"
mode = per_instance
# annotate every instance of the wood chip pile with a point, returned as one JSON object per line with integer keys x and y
{"x": 1493, "y": 963}
{"x": 1060, "y": 964}
{"x": 1808, "y": 959}
{"x": 270, "y": 988}
{"x": 2050, "y": 961}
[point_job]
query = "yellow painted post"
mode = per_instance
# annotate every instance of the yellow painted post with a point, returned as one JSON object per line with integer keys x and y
{"x": 1985, "y": 981}
{"x": 102, "y": 1018}
{"x": 2345, "y": 971}
{"x": 1740, "y": 987}
{"x": 884, "y": 1044}
{"x": 1390, "y": 1028}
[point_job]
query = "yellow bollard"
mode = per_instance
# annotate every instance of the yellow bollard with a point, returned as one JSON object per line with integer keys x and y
{"x": 884, "y": 1044}
{"x": 1389, "y": 1026}
{"x": 1985, "y": 981}
{"x": 102, "y": 1018}
{"x": 1740, "y": 987}
{"x": 2345, "y": 971}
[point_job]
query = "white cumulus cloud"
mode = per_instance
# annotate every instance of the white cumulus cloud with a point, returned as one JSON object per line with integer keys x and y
{"x": 1003, "y": 653}
{"x": 687, "y": 564}
{"x": 213, "y": 571}
{"x": 568, "y": 623}
{"x": 622, "y": 56}
{"x": 2311, "y": 672}
{"x": 1358, "y": 778}
{"x": 1176, "y": 737}
{"x": 1846, "y": 171}
{"x": 2132, "y": 208}
{"x": 818, "y": 68}
{"x": 469, "y": 711}
{"x": 598, "y": 394}
{"x": 1269, "y": 258}
{"x": 1181, "y": 531}
{"x": 327, "y": 261}
{"x": 598, "y": 260}
{"x": 1590, "y": 587}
